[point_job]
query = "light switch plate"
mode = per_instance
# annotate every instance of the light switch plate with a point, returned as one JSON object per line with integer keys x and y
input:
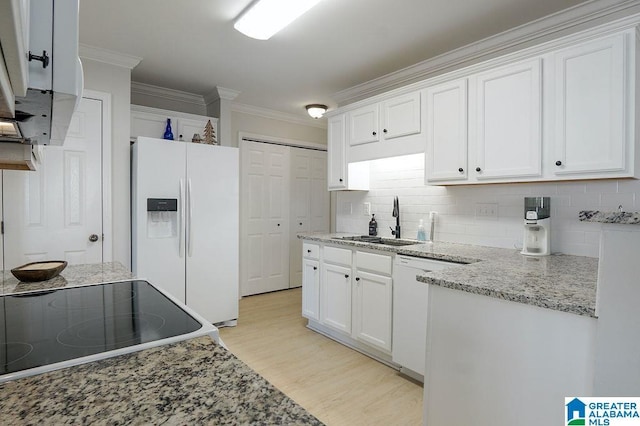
{"x": 366, "y": 209}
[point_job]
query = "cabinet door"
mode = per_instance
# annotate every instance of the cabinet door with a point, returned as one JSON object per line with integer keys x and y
{"x": 311, "y": 289}
{"x": 363, "y": 125}
{"x": 590, "y": 102}
{"x": 507, "y": 122}
{"x": 401, "y": 116}
{"x": 446, "y": 157}
{"x": 335, "y": 296}
{"x": 372, "y": 310}
{"x": 336, "y": 146}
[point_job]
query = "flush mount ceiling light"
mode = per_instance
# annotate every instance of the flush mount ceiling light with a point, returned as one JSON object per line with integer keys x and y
{"x": 266, "y": 17}
{"x": 316, "y": 110}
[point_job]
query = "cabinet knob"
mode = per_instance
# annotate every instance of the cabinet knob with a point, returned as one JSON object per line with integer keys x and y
{"x": 300, "y": 223}
{"x": 340, "y": 179}
{"x": 308, "y": 251}
{"x": 315, "y": 268}
{"x": 478, "y": 169}
{"x": 278, "y": 224}
{"x": 461, "y": 170}
{"x": 558, "y": 163}
{"x": 374, "y": 133}
{"x": 357, "y": 278}
{"x": 384, "y": 130}
{"x": 346, "y": 275}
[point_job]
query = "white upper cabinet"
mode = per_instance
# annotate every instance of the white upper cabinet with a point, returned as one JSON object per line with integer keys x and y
{"x": 506, "y": 124}
{"x": 401, "y": 116}
{"x": 592, "y": 92}
{"x": 446, "y": 129}
{"x": 336, "y": 159}
{"x": 363, "y": 125}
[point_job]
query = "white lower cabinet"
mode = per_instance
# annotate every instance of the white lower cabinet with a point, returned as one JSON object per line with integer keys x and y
{"x": 335, "y": 297}
{"x": 354, "y": 298}
{"x": 372, "y": 309}
{"x": 311, "y": 289}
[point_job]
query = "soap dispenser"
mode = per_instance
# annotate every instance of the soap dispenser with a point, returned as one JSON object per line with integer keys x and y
{"x": 422, "y": 235}
{"x": 373, "y": 226}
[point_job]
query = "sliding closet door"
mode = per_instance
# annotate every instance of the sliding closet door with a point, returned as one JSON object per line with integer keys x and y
{"x": 264, "y": 232}
{"x": 309, "y": 203}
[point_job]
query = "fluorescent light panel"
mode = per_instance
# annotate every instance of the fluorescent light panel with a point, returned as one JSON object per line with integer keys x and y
{"x": 267, "y": 17}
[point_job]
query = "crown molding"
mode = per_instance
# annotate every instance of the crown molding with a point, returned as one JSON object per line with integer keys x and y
{"x": 583, "y": 16}
{"x": 278, "y": 115}
{"x": 110, "y": 57}
{"x": 220, "y": 93}
{"x": 164, "y": 93}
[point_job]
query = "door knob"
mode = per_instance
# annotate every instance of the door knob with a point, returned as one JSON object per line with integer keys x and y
{"x": 93, "y": 238}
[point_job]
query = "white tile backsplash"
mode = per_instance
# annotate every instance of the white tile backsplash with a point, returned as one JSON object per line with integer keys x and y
{"x": 456, "y": 220}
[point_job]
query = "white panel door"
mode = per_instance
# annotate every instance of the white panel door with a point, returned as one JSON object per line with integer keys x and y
{"x": 401, "y": 116}
{"x": 212, "y": 231}
{"x": 336, "y": 146}
{"x": 508, "y": 132}
{"x": 309, "y": 203}
{"x": 53, "y": 212}
{"x": 372, "y": 310}
{"x": 363, "y": 125}
{"x": 311, "y": 289}
{"x": 446, "y": 157}
{"x": 159, "y": 173}
{"x": 335, "y": 297}
{"x": 589, "y": 107}
{"x": 264, "y": 263}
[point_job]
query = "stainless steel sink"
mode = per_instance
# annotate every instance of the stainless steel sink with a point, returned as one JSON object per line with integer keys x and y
{"x": 379, "y": 240}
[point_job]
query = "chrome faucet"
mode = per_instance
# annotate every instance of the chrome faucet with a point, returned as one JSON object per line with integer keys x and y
{"x": 396, "y": 214}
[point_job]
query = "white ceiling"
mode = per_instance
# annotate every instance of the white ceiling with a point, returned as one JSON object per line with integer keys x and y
{"x": 190, "y": 45}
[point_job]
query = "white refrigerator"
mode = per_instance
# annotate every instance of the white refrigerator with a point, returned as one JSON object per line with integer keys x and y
{"x": 185, "y": 219}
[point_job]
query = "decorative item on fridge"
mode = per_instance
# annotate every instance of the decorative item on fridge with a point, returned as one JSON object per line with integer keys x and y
{"x": 209, "y": 134}
{"x": 196, "y": 138}
{"x": 168, "y": 133}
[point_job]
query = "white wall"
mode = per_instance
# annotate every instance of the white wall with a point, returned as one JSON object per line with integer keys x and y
{"x": 403, "y": 176}
{"x": 242, "y": 122}
{"x": 169, "y": 104}
{"x": 117, "y": 81}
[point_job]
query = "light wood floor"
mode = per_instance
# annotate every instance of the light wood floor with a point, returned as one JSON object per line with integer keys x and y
{"x": 336, "y": 384}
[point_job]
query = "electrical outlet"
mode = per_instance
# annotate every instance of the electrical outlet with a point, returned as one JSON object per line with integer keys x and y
{"x": 366, "y": 209}
{"x": 487, "y": 210}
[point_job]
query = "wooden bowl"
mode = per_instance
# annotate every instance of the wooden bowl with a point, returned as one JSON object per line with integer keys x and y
{"x": 39, "y": 271}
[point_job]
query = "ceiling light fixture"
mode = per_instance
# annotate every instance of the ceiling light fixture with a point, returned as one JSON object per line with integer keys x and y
{"x": 316, "y": 110}
{"x": 266, "y": 17}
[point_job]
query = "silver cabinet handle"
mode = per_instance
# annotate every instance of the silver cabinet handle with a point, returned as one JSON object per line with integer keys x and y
{"x": 190, "y": 224}
{"x": 182, "y": 224}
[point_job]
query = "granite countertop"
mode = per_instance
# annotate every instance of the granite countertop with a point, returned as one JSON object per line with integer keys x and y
{"x": 559, "y": 282}
{"x": 623, "y": 218}
{"x": 190, "y": 382}
{"x": 72, "y": 276}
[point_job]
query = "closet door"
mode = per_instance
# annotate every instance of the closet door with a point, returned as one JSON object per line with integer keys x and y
{"x": 264, "y": 234}
{"x": 309, "y": 203}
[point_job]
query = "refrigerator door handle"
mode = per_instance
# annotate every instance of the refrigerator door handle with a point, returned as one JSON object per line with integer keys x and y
{"x": 182, "y": 224}
{"x": 189, "y": 223}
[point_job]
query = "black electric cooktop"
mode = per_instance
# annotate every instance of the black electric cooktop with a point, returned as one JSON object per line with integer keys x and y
{"x": 46, "y": 327}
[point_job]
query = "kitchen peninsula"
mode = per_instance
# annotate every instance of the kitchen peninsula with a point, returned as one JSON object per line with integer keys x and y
{"x": 192, "y": 381}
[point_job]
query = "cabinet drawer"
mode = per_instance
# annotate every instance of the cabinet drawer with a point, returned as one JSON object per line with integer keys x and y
{"x": 373, "y": 262}
{"x": 311, "y": 251}
{"x": 337, "y": 255}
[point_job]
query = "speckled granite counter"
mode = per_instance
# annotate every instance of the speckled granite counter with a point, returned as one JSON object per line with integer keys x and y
{"x": 623, "y": 218}
{"x": 73, "y": 275}
{"x": 559, "y": 282}
{"x": 191, "y": 382}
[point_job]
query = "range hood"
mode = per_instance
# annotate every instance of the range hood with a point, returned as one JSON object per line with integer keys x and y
{"x": 42, "y": 113}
